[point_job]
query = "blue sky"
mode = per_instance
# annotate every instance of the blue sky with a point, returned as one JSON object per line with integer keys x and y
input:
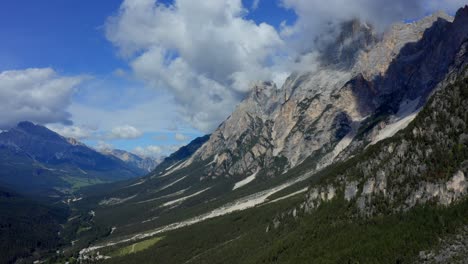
{"x": 69, "y": 36}
{"x": 149, "y": 77}
{"x": 65, "y": 34}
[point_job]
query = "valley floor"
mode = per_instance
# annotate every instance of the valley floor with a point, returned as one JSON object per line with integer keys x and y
{"x": 329, "y": 235}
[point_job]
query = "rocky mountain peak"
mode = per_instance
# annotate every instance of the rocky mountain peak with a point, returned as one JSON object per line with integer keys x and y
{"x": 462, "y": 14}
{"x": 145, "y": 163}
{"x": 26, "y": 125}
{"x": 37, "y": 131}
{"x": 354, "y": 36}
{"x": 74, "y": 142}
{"x": 262, "y": 90}
{"x": 317, "y": 114}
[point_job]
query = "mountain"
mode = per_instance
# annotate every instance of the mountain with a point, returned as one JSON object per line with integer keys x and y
{"x": 182, "y": 154}
{"x": 35, "y": 159}
{"x": 317, "y": 114}
{"x": 361, "y": 160}
{"x": 145, "y": 163}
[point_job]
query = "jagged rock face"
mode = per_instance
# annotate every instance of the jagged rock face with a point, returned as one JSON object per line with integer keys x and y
{"x": 145, "y": 163}
{"x": 354, "y": 37}
{"x": 426, "y": 163}
{"x": 317, "y": 114}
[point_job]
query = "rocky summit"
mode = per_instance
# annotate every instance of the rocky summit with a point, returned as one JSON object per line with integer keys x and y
{"x": 372, "y": 88}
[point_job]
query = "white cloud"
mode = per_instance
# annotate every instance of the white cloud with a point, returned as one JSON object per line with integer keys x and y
{"x": 450, "y": 6}
{"x": 319, "y": 20}
{"x": 180, "y": 137}
{"x": 39, "y": 95}
{"x": 125, "y": 132}
{"x": 149, "y": 151}
{"x": 255, "y": 4}
{"x": 156, "y": 115}
{"x": 76, "y": 132}
{"x": 103, "y": 146}
{"x": 204, "y": 52}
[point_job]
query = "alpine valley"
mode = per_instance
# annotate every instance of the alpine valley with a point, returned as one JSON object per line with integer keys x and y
{"x": 363, "y": 159}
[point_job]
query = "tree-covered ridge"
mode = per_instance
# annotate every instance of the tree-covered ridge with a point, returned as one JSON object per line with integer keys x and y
{"x": 28, "y": 228}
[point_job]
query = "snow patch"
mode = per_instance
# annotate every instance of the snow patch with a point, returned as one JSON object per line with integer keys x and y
{"x": 150, "y": 220}
{"x": 245, "y": 181}
{"x": 182, "y": 199}
{"x": 165, "y": 196}
{"x": 288, "y": 196}
{"x": 215, "y": 159}
{"x": 172, "y": 166}
{"x": 115, "y": 201}
{"x": 72, "y": 200}
{"x": 170, "y": 184}
{"x": 407, "y": 112}
{"x": 342, "y": 145}
{"x": 180, "y": 166}
{"x": 135, "y": 184}
{"x": 391, "y": 129}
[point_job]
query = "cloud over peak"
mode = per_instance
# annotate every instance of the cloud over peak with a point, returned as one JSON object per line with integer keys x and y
{"x": 317, "y": 19}
{"x": 204, "y": 52}
{"x": 39, "y": 95}
{"x": 207, "y": 54}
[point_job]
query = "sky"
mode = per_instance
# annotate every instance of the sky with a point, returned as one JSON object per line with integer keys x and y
{"x": 149, "y": 76}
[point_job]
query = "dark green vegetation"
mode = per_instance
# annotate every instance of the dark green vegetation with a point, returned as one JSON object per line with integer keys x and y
{"x": 39, "y": 169}
{"x": 28, "y": 228}
{"x": 136, "y": 247}
{"x": 326, "y": 236}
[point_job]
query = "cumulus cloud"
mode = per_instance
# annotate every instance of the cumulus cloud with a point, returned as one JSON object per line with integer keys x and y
{"x": 103, "y": 146}
{"x": 39, "y": 95}
{"x": 207, "y": 54}
{"x": 255, "y": 4}
{"x": 93, "y": 133}
{"x": 318, "y": 20}
{"x": 450, "y": 6}
{"x": 125, "y": 132}
{"x": 180, "y": 137}
{"x": 204, "y": 52}
{"x": 76, "y": 132}
{"x": 149, "y": 151}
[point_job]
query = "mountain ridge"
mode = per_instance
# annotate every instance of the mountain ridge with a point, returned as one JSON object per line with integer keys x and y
{"x": 284, "y": 121}
{"x": 36, "y": 158}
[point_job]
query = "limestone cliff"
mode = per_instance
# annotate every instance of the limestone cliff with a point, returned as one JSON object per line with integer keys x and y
{"x": 372, "y": 87}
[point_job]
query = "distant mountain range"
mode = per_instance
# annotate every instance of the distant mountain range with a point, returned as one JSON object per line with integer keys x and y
{"x": 34, "y": 159}
{"x": 145, "y": 163}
